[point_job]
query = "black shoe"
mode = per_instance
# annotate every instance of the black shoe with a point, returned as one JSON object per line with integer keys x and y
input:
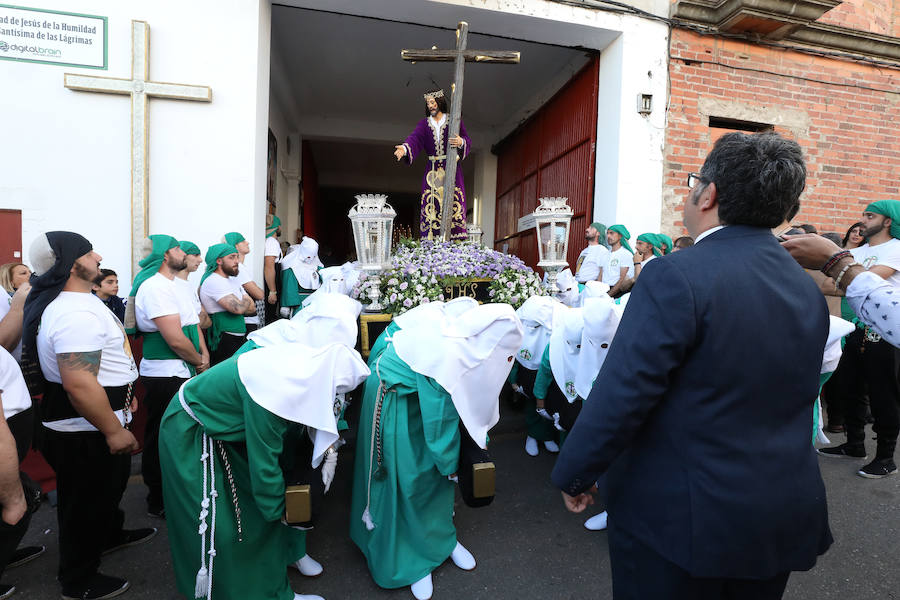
{"x": 131, "y": 537}
{"x": 97, "y": 587}
{"x": 844, "y": 451}
{"x": 878, "y": 468}
{"x": 6, "y": 591}
{"x": 156, "y": 511}
{"x": 23, "y": 555}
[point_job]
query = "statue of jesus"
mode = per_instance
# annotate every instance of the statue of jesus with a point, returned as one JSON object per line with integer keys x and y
{"x": 430, "y": 136}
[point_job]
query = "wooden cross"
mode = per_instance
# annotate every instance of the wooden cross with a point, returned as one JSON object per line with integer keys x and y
{"x": 459, "y": 56}
{"x": 141, "y": 89}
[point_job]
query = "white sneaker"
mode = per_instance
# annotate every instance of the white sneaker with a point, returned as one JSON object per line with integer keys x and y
{"x": 597, "y": 522}
{"x": 307, "y": 597}
{"x": 531, "y": 447}
{"x": 551, "y": 446}
{"x": 462, "y": 558}
{"x": 308, "y": 566}
{"x": 423, "y": 588}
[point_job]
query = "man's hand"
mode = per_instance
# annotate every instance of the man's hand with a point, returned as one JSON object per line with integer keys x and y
{"x": 204, "y": 362}
{"x": 638, "y": 257}
{"x": 133, "y": 407}
{"x": 811, "y": 251}
{"x": 273, "y": 297}
{"x": 17, "y": 302}
{"x": 456, "y": 142}
{"x": 577, "y": 504}
{"x": 399, "y": 151}
{"x": 121, "y": 442}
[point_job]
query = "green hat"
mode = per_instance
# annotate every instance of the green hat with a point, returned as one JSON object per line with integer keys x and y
{"x": 234, "y": 238}
{"x": 601, "y": 230}
{"x": 623, "y": 231}
{"x": 271, "y": 229}
{"x": 653, "y": 240}
{"x": 890, "y": 209}
{"x": 151, "y": 263}
{"x": 215, "y": 252}
{"x": 189, "y": 247}
{"x": 669, "y": 244}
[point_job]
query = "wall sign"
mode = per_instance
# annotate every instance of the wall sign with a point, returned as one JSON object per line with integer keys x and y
{"x": 53, "y": 37}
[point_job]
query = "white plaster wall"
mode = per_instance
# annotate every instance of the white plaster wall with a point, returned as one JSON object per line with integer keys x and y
{"x": 68, "y": 166}
{"x": 485, "y": 189}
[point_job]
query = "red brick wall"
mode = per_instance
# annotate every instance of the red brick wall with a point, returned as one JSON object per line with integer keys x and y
{"x": 848, "y": 115}
{"x": 874, "y": 16}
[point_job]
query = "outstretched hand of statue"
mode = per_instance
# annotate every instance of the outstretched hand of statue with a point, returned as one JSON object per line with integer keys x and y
{"x": 456, "y": 142}
{"x": 399, "y": 151}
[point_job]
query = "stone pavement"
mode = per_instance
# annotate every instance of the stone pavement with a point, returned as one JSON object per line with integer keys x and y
{"x": 526, "y": 544}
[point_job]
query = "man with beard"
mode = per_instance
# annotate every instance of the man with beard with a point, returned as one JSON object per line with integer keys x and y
{"x": 173, "y": 348}
{"x": 225, "y": 301}
{"x": 245, "y": 276}
{"x": 430, "y": 136}
{"x": 621, "y": 256}
{"x": 193, "y": 260}
{"x": 593, "y": 258}
{"x": 868, "y": 358}
{"x": 87, "y": 374}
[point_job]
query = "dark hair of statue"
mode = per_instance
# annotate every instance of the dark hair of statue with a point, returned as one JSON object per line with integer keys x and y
{"x": 758, "y": 177}
{"x": 442, "y": 105}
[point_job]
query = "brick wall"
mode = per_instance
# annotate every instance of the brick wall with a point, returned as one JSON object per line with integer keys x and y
{"x": 874, "y": 16}
{"x": 844, "y": 114}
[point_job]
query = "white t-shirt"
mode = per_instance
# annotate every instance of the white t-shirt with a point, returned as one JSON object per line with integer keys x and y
{"x": 618, "y": 259}
{"x": 12, "y": 386}
{"x": 80, "y": 322}
{"x": 590, "y": 261}
{"x": 4, "y": 310}
{"x": 245, "y": 275}
{"x": 187, "y": 288}
{"x": 217, "y": 287}
{"x": 158, "y": 297}
{"x": 887, "y": 254}
{"x": 273, "y": 248}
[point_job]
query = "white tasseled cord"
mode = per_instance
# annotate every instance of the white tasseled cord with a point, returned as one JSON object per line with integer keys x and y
{"x": 213, "y": 494}
{"x": 367, "y": 515}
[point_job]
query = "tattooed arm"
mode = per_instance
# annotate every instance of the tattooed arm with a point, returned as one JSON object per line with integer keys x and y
{"x": 78, "y": 371}
{"x": 236, "y": 306}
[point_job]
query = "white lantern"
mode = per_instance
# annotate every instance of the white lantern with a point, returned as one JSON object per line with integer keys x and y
{"x": 474, "y": 232}
{"x": 372, "y": 220}
{"x": 552, "y": 219}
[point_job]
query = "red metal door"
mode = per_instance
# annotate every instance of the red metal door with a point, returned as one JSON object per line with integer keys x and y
{"x": 551, "y": 154}
{"x": 10, "y": 236}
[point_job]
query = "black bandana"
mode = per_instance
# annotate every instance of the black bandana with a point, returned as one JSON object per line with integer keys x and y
{"x": 67, "y": 248}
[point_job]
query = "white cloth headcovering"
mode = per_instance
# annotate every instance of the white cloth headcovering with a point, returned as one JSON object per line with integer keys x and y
{"x": 303, "y": 260}
{"x": 332, "y": 283}
{"x": 601, "y": 319}
{"x": 594, "y": 289}
{"x": 333, "y": 319}
{"x": 567, "y": 288}
{"x": 837, "y": 329}
{"x": 469, "y": 355}
{"x": 351, "y": 275}
{"x": 432, "y": 313}
{"x": 299, "y": 383}
{"x": 536, "y": 315}
{"x": 565, "y": 346}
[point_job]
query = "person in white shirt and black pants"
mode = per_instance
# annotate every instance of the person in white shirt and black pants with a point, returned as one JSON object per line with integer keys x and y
{"x": 87, "y": 374}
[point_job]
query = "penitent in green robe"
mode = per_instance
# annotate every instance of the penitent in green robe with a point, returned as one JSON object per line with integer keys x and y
{"x": 410, "y": 499}
{"x": 255, "y": 568}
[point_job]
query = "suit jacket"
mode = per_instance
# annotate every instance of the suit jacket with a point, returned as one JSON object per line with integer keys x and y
{"x": 702, "y": 415}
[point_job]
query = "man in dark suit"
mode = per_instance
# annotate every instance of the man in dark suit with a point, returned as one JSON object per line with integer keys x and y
{"x": 712, "y": 484}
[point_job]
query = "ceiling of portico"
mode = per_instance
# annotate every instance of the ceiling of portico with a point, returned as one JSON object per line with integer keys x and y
{"x": 340, "y": 83}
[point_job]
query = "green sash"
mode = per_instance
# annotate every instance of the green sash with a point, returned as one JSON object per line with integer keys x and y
{"x": 222, "y": 322}
{"x": 156, "y": 348}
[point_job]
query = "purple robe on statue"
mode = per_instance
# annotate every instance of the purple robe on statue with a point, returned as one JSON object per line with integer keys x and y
{"x": 432, "y": 139}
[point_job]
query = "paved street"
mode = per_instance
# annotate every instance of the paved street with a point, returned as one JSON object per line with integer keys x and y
{"x": 526, "y": 544}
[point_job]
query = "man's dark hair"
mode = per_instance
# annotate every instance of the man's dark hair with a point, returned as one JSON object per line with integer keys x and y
{"x": 792, "y": 212}
{"x": 104, "y": 273}
{"x": 808, "y": 228}
{"x": 684, "y": 241}
{"x": 442, "y": 106}
{"x": 832, "y": 237}
{"x": 758, "y": 178}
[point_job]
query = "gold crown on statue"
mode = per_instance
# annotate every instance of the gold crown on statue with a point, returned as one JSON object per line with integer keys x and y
{"x": 437, "y": 94}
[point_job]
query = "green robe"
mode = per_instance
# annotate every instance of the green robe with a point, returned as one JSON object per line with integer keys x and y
{"x": 536, "y": 426}
{"x": 292, "y": 294}
{"x": 255, "y": 568}
{"x": 411, "y": 500}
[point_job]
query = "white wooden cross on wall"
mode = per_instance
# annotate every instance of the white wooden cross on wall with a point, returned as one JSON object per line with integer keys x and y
{"x": 141, "y": 89}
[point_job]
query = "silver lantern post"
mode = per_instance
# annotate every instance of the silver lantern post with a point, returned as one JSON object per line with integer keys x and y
{"x": 372, "y": 220}
{"x": 552, "y": 218}
{"x": 474, "y": 232}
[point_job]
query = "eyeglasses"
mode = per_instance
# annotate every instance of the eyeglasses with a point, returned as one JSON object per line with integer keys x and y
{"x": 695, "y": 178}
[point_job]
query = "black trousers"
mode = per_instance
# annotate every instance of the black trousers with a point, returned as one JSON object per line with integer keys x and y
{"x": 22, "y": 428}
{"x": 89, "y": 482}
{"x": 160, "y": 391}
{"x": 874, "y": 365}
{"x": 228, "y": 345}
{"x": 271, "y": 312}
{"x": 639, "y": 573}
